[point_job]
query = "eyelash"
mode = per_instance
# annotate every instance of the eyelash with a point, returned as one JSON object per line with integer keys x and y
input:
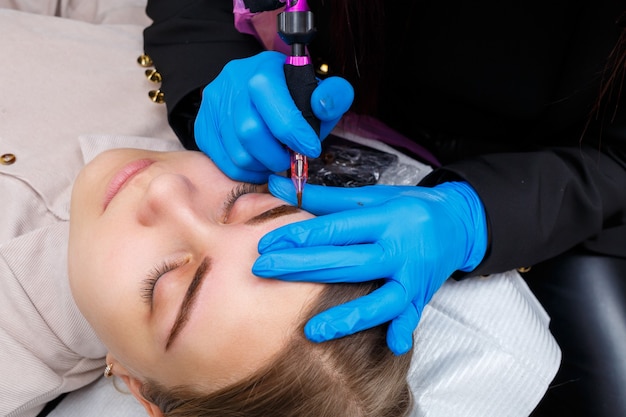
{"x": 147, "y": 290}
{"x": 238, "y": 191}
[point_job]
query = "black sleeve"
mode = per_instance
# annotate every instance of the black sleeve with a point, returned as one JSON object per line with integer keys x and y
{"x": 189, "y": 42}
{"x": 542, "y": 203}
{"x": 557, "y": 183}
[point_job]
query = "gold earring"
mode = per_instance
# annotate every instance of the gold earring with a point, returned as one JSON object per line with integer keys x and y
{"x": 108, "y": 371}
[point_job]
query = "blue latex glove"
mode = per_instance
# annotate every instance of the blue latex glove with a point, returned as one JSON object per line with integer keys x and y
{"x": 413, "y": 237}
{"x": 247, "y": 115}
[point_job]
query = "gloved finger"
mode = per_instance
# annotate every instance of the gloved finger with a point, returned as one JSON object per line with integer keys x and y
{"x": 239, "y": 156}
{"x": 351, "y": 227}
{"x": 329, "y": 264}
{"x": 321, "y": 200}
{"x": 257, "y": 140}
{"x": 327, "y": 126}
{"x": 218, "y": 155}
{"x": 401, "y": 329}
{"x": 271, "y": 97}
{"x": 210, "y": 142}
{"x": 330, "y": 101}
{"x": 331, "y": 98}
{"x": 371, "y": 310}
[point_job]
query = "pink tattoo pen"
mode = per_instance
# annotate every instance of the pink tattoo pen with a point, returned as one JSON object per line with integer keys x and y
{"x": 296, "y": 28}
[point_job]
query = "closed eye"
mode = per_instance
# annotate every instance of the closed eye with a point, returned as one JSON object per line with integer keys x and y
{"x": 148, "y": 285}
{"x": 238, "y": 191}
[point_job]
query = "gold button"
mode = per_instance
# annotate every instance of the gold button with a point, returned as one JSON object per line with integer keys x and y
{"x": 154, "y": 76}
{"x": 157, "y": 96}
{"x": 7, "y": 159}
{"x": 144, "y": 60}
{"x": 523, "y": 269}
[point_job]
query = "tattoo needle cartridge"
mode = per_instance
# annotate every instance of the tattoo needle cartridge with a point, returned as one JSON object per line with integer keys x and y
{"x": 296, "y": 27}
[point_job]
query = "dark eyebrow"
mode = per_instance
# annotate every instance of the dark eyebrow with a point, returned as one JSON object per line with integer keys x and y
{"x": 188, "y": 300}
{"x": 272, "y": 213}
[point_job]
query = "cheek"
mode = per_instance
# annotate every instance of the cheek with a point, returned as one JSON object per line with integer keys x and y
{"x": 108, "y": 296}
{"x": 102, "y": 265}
{"x": 88, "y": 284}
{"x": 81, "y": 260}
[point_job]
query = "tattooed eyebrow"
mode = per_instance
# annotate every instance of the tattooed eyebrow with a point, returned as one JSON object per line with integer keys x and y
{"x": 273, "y": 213}
{"x": 188, "y": 301}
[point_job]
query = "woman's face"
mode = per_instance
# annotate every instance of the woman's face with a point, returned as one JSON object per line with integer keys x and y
{"x": 160, "y": 259}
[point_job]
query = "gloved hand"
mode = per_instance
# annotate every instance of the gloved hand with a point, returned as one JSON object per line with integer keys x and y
{"x": 412, "y": 237}
{"x": 247, "y": 115}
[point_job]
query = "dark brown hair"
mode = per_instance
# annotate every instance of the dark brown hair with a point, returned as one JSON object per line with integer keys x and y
{"x": 357, "y": 47}
{"x": 355, "y": 376}
{"x": 612, "y": 82}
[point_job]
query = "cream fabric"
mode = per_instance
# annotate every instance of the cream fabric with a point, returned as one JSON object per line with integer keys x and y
{"x": 47, "y": 7}
{"x": 105, "y": 11}
{"x": 59, "y": 79}
{"x": 92, "y": 11}
{"x": 47, "y": 347}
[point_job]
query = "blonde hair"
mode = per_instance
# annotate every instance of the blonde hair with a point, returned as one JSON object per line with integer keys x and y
{"x": 355, "y": 376}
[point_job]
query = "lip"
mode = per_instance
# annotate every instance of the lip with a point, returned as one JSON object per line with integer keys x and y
{"x": 122, "y": 177}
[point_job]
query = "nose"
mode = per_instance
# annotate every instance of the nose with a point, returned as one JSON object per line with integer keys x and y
{"x": 169, "y": 199}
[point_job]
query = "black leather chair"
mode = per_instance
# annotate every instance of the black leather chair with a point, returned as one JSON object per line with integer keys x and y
{"x": 585, "y": 296}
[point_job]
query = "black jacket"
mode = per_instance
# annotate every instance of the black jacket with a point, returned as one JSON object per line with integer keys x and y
{"x": 499, "y": 91}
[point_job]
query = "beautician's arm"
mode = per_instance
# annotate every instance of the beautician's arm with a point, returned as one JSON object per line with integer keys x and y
{"x": 538, "y": 204}
{"x": 190, "y": 41}
{"x": 541, "y": 204}
{"x": 245, "y": 118}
